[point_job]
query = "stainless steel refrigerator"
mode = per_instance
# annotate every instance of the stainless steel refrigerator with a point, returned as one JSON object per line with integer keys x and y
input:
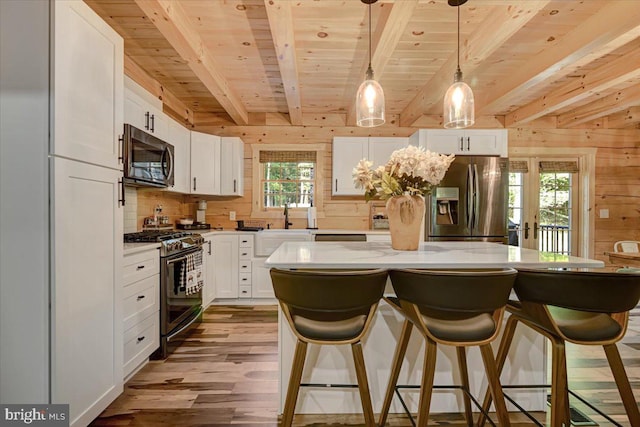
{"x": 471, "y": 202}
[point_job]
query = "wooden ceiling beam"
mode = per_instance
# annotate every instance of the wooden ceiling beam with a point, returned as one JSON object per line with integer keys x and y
{"x": 611, "y": 74}
{"x": 629, "y": 118}
{"x": 502, "y": 23}
{"x": 281, "y": 25}
{"x": 385, "y": 40}
{"x": 605, "y": 106}
{"x": 594, "y": 38}
{"x": 174, "y": 24}
{"x": 169, "y": 100}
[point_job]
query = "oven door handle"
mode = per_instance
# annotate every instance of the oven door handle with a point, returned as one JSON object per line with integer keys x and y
{"x": 182, "y": 258}
{"x": 198, "y": 313}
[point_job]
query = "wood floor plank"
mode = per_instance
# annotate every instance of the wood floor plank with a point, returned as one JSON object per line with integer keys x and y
{"x": 226, "y": 374}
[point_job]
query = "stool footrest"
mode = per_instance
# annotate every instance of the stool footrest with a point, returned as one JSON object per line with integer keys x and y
{"x": 320, "y": 385}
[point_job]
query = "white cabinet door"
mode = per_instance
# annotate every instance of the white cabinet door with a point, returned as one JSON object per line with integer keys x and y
{"x": 484, "y": 142}
{"x": 144, "y": 111}
{"x": 209, "y": 266}
{"x": 225, "y": 248}
{"x": 87, "y": 335}
{"x": 380, "y": 148}
{"x": 347, "y": 152}
{"x": 231, "y": 166}
{"x": 180, "y": 138}
{"x": 205, "y": 164}
{"x": 88, "y": 86}
{"x": 261, "y": 280}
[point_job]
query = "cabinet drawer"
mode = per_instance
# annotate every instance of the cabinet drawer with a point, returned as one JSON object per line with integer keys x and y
{"x": 245, "y": 253}
{"x": 244, "y": 291}
{"x": 246, "y": 241}
{"x": 140, "y": 265}
{"x": 140, "y": 341}
{"x": 244, "y": 279}
{"x": 244, "y": 266}
{"x": 140, "y": 300}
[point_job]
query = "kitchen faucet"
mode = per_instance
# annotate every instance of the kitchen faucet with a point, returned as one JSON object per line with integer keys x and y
{"x": 286, "y": 217}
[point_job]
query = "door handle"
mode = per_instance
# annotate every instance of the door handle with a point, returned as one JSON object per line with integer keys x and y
{"x": 336, "y": 185}
{"x": 146, "y": 120}
{"x": 153, "y": 123}
{"x": 461, "y": 143}
{"x": 535, "y": 230}
{"x": 526, "y": 230}
{"x": 234, "y": 186}
{"x": 476, "y": 197}
{"x": 121, "y": 149}
{"x": 140, "y": 297}
{"x": 194, "y": 184}
{"x": 121, "y": 200}
{"x": 209, "y": 242}
{"x": 470, "y": 195}
{"x": 468, "y": 143}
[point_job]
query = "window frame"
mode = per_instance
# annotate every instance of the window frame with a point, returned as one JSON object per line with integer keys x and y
{"x": 257, "y": 210}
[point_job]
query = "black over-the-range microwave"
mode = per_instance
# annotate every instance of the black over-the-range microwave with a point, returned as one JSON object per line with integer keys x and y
{"x": 148, "y": 160}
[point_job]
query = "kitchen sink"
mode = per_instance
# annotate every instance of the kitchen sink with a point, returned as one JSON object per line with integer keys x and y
{"x": 267, "y": 241}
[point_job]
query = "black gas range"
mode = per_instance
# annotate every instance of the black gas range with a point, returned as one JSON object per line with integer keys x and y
{"x": 171, "y": 242}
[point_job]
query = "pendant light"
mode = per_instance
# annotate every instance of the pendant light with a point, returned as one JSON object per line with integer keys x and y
{"x": 458, "y": 101}
{"x": 370, "y": 97}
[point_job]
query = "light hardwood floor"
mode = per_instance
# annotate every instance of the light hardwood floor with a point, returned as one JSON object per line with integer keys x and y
{"x": 227, "y": 374}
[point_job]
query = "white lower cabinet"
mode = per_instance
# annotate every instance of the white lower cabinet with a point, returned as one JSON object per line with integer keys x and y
{"x": 225, "y": 248}
{"x": 261, "y": 279}
{"x": 86, "y": 299}
{"x": 141, "y": 308}
{"x": 209, "y": 267}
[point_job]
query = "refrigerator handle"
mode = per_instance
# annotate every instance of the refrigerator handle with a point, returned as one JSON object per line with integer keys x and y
{"x": 470, "y": 196}
{"x": 476, "y": 199}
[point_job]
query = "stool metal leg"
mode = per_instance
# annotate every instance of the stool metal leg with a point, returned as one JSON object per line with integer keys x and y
{"x": 622, "y": 381}
{"x": 363, "y": 384}
{"x": 501, "y": 357}
{"x": 560, "y": 414}
{"x": 396, "y": 366}
{"x": 494, "y": 384}
{"x": 428, "y": 373}
{"x": 464, "y": 377}
{"x": 294, "y": 383}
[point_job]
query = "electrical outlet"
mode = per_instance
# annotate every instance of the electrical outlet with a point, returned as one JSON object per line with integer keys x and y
{"x": 604, "y": 213}
{"x": 232, "y": 215}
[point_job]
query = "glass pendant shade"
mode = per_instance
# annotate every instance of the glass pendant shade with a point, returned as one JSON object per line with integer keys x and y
{"x": 459, "y": 109}
{"x": 370, "y": 104}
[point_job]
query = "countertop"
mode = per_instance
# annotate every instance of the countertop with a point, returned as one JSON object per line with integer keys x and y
{"x": 132, "y": 248}
{"x": 428, "y": 255}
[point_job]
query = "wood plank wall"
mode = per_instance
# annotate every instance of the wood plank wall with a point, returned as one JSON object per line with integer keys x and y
{"x": 617, "y": 177}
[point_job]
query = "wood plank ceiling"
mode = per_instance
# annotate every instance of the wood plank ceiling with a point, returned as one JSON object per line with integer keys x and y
{"x": 255, "y": 62}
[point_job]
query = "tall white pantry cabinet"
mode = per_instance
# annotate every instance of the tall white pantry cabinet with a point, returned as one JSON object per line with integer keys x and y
{"x": 73, "y": 118}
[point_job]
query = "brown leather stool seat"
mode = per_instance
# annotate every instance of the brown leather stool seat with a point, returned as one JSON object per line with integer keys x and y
{"x": 582, "y": 307}
{"x": 459, "y": 308}
{"x": 328, "y": 307}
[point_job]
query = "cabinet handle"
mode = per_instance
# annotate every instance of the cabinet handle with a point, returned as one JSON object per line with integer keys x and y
{"x": 209, "y": 242}
{"x": 194, "y": 184}
{"x": 140, "y": 297}
{"x": 140, "y": 267}
{"x": 234, "y": 185}
{"x": 336, "y": 185}
{"x": 244, "y": 254}
{"x": 121, "y": 149}
{"x": 121, "y": 199}
{"x": 140, "y": 338}
{"x": 535, "y": 230}
{"x": 468, "y": 143}
{"x": 461, "y": 143}
{"x": 146, "y": 120}
{"x": 244, "y": 266}
{"x": 153, "y": 123}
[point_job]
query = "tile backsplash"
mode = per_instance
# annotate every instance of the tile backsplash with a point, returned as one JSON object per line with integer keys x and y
{"x": 130, "y": 210}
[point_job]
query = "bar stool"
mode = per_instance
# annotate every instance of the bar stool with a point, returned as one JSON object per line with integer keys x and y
{"x": 328, "y": 308}
{"x": 581, "y": 307}
{"x": 458, "y": 308}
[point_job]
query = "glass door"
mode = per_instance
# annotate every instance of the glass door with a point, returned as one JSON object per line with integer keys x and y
{"x": 544, "y": 203}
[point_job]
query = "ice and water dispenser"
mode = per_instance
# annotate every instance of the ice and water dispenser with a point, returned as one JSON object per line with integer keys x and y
{"x": 446, "y": 205}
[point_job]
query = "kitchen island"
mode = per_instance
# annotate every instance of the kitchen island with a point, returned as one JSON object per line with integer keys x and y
{"x": 334, "y": 365}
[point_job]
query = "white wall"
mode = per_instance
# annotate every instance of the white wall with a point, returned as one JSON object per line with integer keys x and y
{"x": 24, "y": 201}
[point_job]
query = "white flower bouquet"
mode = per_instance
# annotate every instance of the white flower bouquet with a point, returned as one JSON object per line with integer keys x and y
{"x": 410, "y": 170}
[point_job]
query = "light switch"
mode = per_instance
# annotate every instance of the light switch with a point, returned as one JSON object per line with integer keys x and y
{"x": 232, "y": 215}
{"x": 604, "y": 213}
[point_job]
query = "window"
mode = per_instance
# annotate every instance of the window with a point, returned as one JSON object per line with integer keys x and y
{"x": 287, "y": 178}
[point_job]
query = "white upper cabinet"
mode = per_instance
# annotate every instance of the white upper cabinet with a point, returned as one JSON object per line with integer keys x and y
{"x": 180, "y": 138}
{"x": 205, "y": 164}
{"x": 483, "y": 142}
{"x": 88, "y": 79}
{"x": 144, "y": 111}
{"x": 231, "y": 166}
{"x": 348, "y": 151}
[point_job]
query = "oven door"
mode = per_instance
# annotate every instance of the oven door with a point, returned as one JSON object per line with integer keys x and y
{"x": 148, "y": 160}
{"x": 176, "y": 305}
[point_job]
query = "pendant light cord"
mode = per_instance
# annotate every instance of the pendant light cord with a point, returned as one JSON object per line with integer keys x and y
{"x": 458, "y": 36}
{"x": 369, "y": 35}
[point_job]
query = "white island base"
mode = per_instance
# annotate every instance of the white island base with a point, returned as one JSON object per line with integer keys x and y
{"x": 334, "y": 365}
